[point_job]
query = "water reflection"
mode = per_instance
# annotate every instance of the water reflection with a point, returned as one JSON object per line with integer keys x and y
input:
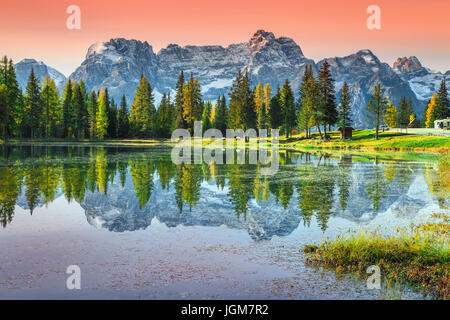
{"x": 125, "y": 188}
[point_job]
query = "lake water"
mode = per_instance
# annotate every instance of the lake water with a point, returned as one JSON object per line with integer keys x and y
{"x": 141, "y": 227}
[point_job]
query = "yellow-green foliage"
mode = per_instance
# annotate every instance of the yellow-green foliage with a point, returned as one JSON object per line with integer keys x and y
{"x": 365, "y": 139}
{"x": 419, "y": 256}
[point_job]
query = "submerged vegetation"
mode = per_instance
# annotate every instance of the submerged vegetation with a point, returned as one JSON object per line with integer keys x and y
{"x": 419, "y": 256}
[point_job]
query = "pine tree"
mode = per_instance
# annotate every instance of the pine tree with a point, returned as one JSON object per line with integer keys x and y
{"x": 259, "y": 101}
{"x": 242, "y": 111}
{"x": 67, "y": 109}
{"x": 92, "y": 114}
{"x": 221, "y": 115}
{"x": 4, "y": 110}
{"x": 192, "y": 103}
{"x": 163, "y": 118}
{"x": 390, "y": 118}
{"x": 80, "y": 116}
{"x": 50, "y": 102}
{"x": 249, "y": 104}
{"x": 376, "y": 108}
{"x": 206, "y": 116}
{"x": 142, "y": 115}
{"x": 33, "y": 104}
{"x": 179, "y": 101}
{"x": 172, "y": 114}
{"x": 101, "y": 115}
{"x": 327, "y": 112}
{"x": 403, "y": 112}
{"x": 13, "y": 113}
{"x": 287, "y": 104}
{"x": 123, "y": 122}
{"x": 344, "y": 110}
{"x": 275, "y": 111}
{"x": 267, "y": 99}
{"x": 112, "y": 119}
{"x": 431, "y": 114}
{"x": 309, "y": 102}
{"x": 442, "y": 110}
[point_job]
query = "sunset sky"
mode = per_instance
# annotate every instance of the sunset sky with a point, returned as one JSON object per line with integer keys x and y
{"x": 322, "y": 28}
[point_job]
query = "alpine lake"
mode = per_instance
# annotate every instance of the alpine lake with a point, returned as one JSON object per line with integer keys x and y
{"x": 139, "y": 226}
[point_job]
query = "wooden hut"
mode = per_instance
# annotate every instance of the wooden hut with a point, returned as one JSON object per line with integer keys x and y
{"x": 346, "y": 133}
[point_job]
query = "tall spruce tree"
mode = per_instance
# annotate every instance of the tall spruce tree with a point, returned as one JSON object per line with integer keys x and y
{"x": 80, "y": 115}
{"x": 50, "y": 102}
{"x": 259, "y": 101}
{"x": 101, "y": 119}
{"x": 13, "y": 113}
{"x": 442, "y": 110}
{"x": 327, "y": 112}
{"x": 403, "y": 112}
{"x": 67, "y": 109}
{"x": 163, "y": 118}
{"x": 4, "y": 110}
{"x": 242, "y": 111}
{"x": 179, "y": 101}
{"x": 123, "y": 122}
{"x": 33, "y": 104}
{"x": 221, "y": 115}
{"x": 249, "y": 103}
{"x": 344, "y": 110}
{"x": 267, "y": 98}
{"x": 276, "y": 119}
{"x": 112, "y": 119}
{"x": 206, "y": 116}
{"x": 142, "y": 115}
{"x": 376, "y": 108}
{"x": 309, "y": 102}
{"x": 92, "y": 114}
{"x": 288, "y": 110}
{"x": 192, "y": 102}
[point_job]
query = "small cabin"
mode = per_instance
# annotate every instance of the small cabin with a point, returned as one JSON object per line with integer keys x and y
{"x": 346, "y": 133}
{"x": 442, "y": 124}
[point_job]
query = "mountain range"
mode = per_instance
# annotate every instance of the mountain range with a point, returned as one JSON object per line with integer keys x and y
{"x": 118, "y": 64}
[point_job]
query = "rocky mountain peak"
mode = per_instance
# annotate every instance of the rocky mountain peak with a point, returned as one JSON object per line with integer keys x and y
{"x": 119, "y": 46}
{"x": 261, "y": 35}
{"x": 405, "y": 64}
{"x": 260, "y": 39}
{"x": 23, "y": 69}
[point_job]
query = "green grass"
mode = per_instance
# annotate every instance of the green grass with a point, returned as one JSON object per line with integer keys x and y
{"x": 365, "y": 139}
{"x": 420, "y": 256}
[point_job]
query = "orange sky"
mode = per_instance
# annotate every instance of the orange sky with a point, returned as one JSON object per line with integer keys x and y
{"x": 322, "y": 28}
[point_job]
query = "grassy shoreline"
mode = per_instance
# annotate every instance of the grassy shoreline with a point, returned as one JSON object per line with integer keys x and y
{"x": 365, "y": 140}
{"x": 362, "y": 140}
{"x": 419, "y": 257}
{"x": 390, "y": 146}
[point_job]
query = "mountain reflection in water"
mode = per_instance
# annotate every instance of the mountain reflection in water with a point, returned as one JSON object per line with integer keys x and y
{"x": 124, "y": 189}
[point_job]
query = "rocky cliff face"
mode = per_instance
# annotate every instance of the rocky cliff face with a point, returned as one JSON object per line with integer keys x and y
{"x": 119, "y": 63}
{"x": 23, "y": 69}
{"x": 409, "y": 65}
{"x": 421, "y": 80}
{"x": 118, "y": 66}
